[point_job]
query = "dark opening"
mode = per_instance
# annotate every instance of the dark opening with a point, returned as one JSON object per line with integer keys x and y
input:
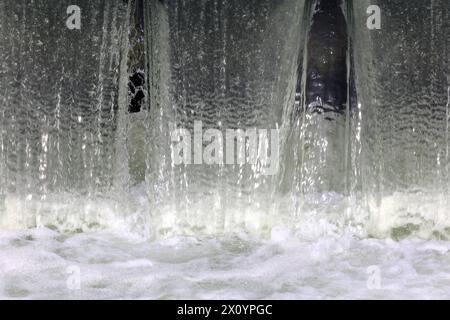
{"x": 326, "y": 83}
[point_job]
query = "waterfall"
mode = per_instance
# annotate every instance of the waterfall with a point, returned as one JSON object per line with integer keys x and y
{"x": 58, "y": 110}
{"x": 362, "y": 116}
{"x": 402, "y": 84}
{"x": 230, "y": 65}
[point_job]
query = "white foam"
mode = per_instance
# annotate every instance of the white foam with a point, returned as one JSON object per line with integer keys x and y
{"x": 309, "y": 217}
{"x": 35, "y": 264}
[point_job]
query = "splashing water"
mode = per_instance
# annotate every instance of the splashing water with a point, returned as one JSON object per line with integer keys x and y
{"x": 86, "y": 183}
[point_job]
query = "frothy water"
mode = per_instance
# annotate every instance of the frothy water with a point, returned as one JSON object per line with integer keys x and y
{"x": 40, "y": 263}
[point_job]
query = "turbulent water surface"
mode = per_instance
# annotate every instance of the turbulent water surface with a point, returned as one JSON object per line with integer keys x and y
{"x": 40, "y": 264}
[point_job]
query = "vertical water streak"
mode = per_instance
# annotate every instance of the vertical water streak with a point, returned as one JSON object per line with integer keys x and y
{"x": 401, "y": 83}
{"x": 59, "y": 96}
{"x": 230, "y": 66}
